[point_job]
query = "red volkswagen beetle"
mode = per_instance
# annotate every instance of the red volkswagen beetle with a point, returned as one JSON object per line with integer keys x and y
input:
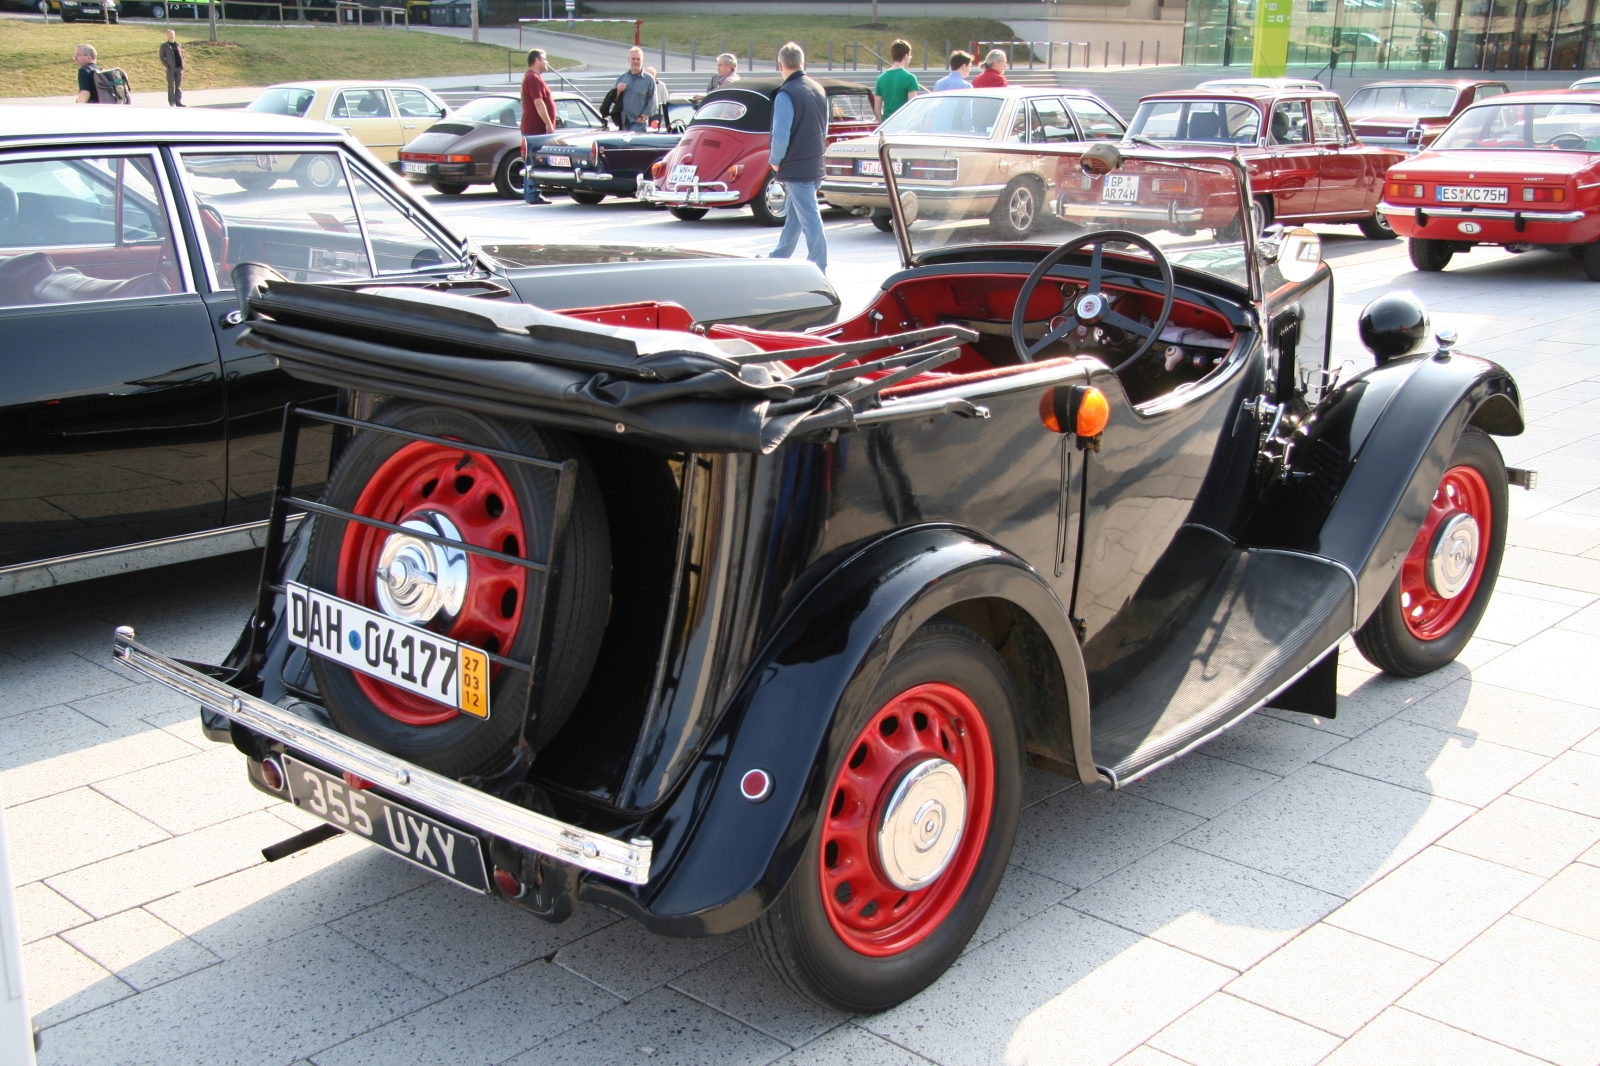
{"x": 1521, "y": 171}
{"x": 722, "y": 159}
{"x": 1305, "y": 164}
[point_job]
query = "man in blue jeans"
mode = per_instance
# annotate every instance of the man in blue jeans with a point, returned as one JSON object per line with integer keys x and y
{"x": 799, "y": 137}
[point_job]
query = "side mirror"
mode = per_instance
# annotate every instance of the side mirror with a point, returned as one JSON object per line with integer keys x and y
{"x": 1296, "y": 251}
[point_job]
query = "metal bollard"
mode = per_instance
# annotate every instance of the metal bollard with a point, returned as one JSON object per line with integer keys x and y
{"x": 830, "y": 53}
{"x": 1124, "y": 53}
{"x": 1141, "y": 53}
{"x": 663, "y": 67}
{"x": 691, "y": 54}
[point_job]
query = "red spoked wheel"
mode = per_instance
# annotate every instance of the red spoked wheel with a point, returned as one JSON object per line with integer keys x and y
{"x": 1446, "y": 561}
{"x": 420, "y": 485}
{"x": 1434, "y": 605}
{"x": 907, "y": 819}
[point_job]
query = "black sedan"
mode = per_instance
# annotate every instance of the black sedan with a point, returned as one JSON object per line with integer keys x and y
{"x": 591, "y": 165}
{"x": 132, "y": 430}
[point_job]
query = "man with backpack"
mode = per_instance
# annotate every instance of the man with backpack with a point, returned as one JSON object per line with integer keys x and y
{"x": 96, "y": 86}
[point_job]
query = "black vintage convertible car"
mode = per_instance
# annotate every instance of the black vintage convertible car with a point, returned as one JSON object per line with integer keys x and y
{"x": 729, "y": 627}
{"x": 133, "y": 431}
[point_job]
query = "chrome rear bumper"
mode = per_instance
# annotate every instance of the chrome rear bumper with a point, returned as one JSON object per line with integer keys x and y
{"x": 624, "y": 860}
{"x": 1501, "y": 213}
{"x": 693, "y": 196}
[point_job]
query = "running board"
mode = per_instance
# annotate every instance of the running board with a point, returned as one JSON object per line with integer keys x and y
{"x": 1268, "y": 618}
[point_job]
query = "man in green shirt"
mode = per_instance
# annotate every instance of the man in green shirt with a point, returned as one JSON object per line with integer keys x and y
{"x": 897, "y": 84}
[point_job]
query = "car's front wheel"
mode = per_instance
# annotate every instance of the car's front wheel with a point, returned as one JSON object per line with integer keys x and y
{"x": 1446, "y": 579}
{"x": 1017, "y": 211}
{"x": 1591, "y": 261}
{"x": 1429, "y": 255}
{"x": 1377, "y": 227}
{"x": 508, "y": 176}
{"x": 914, "y": 832}
{"x": 771, "y": 205}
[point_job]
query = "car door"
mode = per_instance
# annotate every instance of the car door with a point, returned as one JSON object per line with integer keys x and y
{"x": 1292, "y": 166}
{"x": 1095, "y": 123}
{"x": 416, "y": 111}
{"x": 367, "y": 115}
{"x": 1342, "y": 163}
{"x": 111, "y": 394}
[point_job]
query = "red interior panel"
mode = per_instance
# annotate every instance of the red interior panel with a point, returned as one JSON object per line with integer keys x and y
{"x": 646, "y": 314}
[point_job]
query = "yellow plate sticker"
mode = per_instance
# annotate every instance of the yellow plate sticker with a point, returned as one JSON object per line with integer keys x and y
{"x": 473, "y": 693}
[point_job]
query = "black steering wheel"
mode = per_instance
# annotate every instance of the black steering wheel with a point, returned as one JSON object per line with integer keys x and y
{"x": 1092, "y": 308}
{"x": 1573, "y": 142}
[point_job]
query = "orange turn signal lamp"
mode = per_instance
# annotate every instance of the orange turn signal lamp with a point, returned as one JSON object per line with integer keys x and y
{"x": 1080, "y": 409}
{"x": 734, "y": 171}
{"x": 658, "y": 170}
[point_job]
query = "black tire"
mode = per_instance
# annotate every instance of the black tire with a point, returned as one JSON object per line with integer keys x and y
{"x": 883, "y": 219}
{"x": 771, "y": 205}
{"x": 508, "y": 175}
{"x": 590, "y": 198}
{"x": 158, "y": 11}
{"x": 1591, "y": 261}
{"x": 1268, "y": 210}
{"x": 318, "y": 172}
{"x": 1384, "y": 638}
{"x": 1431, "y": 256}
{"x": 256, "y": 182}
{"x": 446, "y": 188}
{"x": 1017, "y": 212}
{"x": 795, "y": 938}
{"x": 463, "y": 745}
{"x": 688, "y": 214}
{"x": 1377, "y": 227}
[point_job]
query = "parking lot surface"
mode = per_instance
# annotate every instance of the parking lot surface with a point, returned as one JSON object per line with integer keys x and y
{"x": 1414, "y": 881}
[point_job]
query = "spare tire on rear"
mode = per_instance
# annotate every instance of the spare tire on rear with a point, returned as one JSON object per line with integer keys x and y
{"x": 492, "y": 503}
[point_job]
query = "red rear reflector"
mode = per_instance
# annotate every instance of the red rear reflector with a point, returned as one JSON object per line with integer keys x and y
{"x": 272, "y": 774}
{"x": 508, "y": 885}
{"x": 360, "y": 784}
{"x": 1169, "y": 185}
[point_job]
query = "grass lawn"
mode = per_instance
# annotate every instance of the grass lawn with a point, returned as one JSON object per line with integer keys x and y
{"x": 813, "y": 31}
{"x": 36, "y": 59}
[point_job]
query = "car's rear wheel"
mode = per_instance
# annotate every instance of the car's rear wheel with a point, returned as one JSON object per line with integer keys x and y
{"x": 1446, "y": 579}
{"x": 459, "y": 495}
{"x": 1429, "y": 255}
{"x": 317, "y": 172}
{"x": 158, "y": 11}
{"x": 771, "y": 205}
{"x": 1017, "y": 211}
{"x": 883, "y": 219}
{"x": 1591, "y": 261}
{"x": 590, "y": 198}
{"x": 447, "y": 188}
{"x": 1377, "y": 227}
{"x": 688, "y": 214}
{"x": 914, "y": 832}
{"x": 256, "y": 182}
{"x": 508, "y": 176}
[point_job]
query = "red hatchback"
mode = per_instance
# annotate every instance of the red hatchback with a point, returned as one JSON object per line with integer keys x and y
{"x": 1408, "y": 115}
{"x": 1305, "y": 164}
{"x": 1521, "y": 171}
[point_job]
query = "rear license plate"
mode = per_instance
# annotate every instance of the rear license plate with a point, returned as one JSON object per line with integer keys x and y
{"x": 682, "y": 174}
{"x": 1473, "y": 194}
{"x": 1121, "y": 188}
{"x": 873, "y": 168}
{"x": 432, "y": 845}
{"x": 559, "y": 160}
{"x": 435, "y": 667}
{"x": 414, "y": 168}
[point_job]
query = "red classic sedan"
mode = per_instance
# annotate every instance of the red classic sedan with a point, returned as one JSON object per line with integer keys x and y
{"x": 1408, "y": 115}
{"x": 1305, "y": 164}
{"x": 1521, "y": 171}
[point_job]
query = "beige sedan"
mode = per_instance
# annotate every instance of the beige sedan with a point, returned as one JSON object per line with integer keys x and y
{"x": 381, "y": 115}
{"x": 954, "y": 173}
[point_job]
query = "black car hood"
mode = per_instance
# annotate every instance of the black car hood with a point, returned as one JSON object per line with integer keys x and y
{"x": 616, "y": 139}
{"x": 516, "y": 254}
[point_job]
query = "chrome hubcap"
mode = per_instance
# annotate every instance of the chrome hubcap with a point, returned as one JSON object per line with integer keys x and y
{"x": 921, "y": 824}
{"x": 1453, "y": 555}
{"x": 1022, "y": 208}
{"x": 421, "y": 582}
{"x": 777, "y": 197}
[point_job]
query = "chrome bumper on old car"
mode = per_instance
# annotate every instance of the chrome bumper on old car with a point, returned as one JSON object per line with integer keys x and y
{"x": 1503, "y": 214}
{"x": 694, "y": 196}
{"x": 429, "y": 792}
{"x": 1171, "y": 213}
{"x": 570, "y": 177}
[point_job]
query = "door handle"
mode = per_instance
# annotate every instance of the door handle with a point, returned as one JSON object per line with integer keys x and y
{"x": 231, "y": 319}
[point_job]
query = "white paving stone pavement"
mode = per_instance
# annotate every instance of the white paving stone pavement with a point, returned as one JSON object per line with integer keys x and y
{"x": 1415, "y": 881}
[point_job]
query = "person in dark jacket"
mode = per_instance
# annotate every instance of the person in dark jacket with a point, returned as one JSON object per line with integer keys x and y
{"x": 172, "y": 59}
{"x": 799, "y": 136}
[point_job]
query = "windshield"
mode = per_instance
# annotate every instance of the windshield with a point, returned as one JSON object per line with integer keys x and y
{"x": 1402, "y": 100}
{"x": 954, "y": 114}
{"x": 283, "y": 102}
{"x": 1568, "y": 127}
{"x": 1190, "y": 205}
{"x": 1196, "y": 122}
{"x": 497, "y": 110}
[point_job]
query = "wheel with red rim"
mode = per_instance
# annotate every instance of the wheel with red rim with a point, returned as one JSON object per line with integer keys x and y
{"x": 1447, "y": 577}
{"x": 459, "y": 495}
{"x": 913, "y": 833}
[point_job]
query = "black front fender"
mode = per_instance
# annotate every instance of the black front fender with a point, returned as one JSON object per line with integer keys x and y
{"x": 823, "y": 660}
{"x": 1400, "y": 429}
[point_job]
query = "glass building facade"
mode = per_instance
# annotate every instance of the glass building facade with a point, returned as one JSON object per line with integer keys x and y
{"x": 1487, "y": 35}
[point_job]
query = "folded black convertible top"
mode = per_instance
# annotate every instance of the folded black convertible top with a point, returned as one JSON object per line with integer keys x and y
{"x": 667, "y": 388}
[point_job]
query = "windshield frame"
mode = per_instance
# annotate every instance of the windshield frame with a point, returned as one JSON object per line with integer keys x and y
{"x": 909, "y": 259}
